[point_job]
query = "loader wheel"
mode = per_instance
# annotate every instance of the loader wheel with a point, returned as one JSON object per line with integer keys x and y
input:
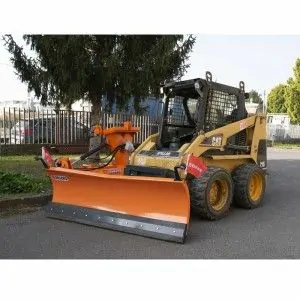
{"x": 249, "y": 186}
{"x": 211, "y": 194}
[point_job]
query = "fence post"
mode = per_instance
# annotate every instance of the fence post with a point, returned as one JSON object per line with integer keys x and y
{"x": 4, "y": 126}
{"x": 9, "y": 122}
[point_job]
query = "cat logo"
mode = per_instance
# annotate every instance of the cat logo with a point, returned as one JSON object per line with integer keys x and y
{"x": 216, "y": 141}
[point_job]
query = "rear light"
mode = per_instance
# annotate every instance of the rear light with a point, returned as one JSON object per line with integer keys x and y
{"x": 26, "y": 132}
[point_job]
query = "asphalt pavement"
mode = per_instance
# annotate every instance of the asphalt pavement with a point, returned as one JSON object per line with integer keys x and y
{"x": 271, "y": 231}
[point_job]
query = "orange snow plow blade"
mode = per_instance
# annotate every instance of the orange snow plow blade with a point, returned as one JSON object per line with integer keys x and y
{"x": 147, "y": 206}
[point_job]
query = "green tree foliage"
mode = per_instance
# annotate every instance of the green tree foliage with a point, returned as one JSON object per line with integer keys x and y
{"x": 72, "y": 67}
{"x": 292, "y": 94}
{"x": 255, "y": 97}
{"x": 276, "y": 99}
{"x": 285, "y": 98}
{"x": 293, "y": 101}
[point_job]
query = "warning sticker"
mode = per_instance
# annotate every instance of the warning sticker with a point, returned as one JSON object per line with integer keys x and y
{"x": 243, "y": 125}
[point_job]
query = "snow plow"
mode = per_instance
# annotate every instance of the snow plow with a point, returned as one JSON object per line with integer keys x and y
{"x": 208, "y": 154}
{"x": 102, "y": 196}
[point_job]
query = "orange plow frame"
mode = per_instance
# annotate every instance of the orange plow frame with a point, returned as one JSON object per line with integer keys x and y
{"x": 147, "y": 206}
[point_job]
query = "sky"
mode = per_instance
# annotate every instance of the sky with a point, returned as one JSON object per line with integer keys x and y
{"x": 261, "y": 61}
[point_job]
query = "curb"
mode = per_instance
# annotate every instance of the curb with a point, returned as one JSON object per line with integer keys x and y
{"x": 25, "y": 200}
{"x": 284, "y": 149}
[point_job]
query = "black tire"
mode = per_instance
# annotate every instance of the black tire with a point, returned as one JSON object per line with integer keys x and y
{"x": 242, "y": 186}
{"x": 200, "y": 188}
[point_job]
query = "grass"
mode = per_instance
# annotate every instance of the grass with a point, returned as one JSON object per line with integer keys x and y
{"x": 22, "y": 174}
{"x": 15, "y": 183}
{"x": 25, "y": 164}
{"x": 286, "y": 146}
{"x": 22, "y": 164}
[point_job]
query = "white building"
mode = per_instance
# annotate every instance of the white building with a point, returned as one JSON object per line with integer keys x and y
{"x": 34, "y": 104}
{"x": 14, "y": 104}
{"x": 29, "y": 103}
{"x": 81, "y": 105}
{"x": 251, "y": 107}
{"x": 280, "y": 120}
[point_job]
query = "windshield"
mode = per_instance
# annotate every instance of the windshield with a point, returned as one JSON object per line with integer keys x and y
{"x": 180, "y": 118}
{"x": 181, "y": 110}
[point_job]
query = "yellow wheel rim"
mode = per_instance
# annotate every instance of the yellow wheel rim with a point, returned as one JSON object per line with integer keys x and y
{"x": 255, "y": 186}
{"x": 218, "y": 194}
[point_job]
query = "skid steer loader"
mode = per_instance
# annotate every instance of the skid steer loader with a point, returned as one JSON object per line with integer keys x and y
{"x": 151, "y": 190}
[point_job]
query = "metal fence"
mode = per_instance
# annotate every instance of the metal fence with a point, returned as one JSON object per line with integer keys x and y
{"x": 23, "y": 126}
{"x": 148, "y": 125}
{"x": 281, "y": 133}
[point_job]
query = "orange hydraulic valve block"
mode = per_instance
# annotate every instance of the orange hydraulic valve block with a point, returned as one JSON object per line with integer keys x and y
{"x": 116, "y": 136}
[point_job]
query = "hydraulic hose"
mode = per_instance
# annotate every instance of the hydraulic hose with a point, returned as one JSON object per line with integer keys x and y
{"x": 114, "y": 152}
{"x": 92, "y": 151}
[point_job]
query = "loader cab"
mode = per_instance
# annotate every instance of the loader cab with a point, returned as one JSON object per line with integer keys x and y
{"x": 179, "y": 117}
{"x": 197, "y": 105}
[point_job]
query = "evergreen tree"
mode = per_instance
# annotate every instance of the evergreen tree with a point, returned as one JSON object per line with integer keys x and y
{"x": 72, "y": 67}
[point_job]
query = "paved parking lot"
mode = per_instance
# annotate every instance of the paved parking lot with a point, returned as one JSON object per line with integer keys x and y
{"x": 272, "y": 231}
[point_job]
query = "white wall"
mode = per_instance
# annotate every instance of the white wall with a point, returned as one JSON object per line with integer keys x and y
{"x": 279, "y": 119}
{"x": 251, "y": 107}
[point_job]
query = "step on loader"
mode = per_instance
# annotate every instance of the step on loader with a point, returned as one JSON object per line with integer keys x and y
{"x": 207, "y": 154}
